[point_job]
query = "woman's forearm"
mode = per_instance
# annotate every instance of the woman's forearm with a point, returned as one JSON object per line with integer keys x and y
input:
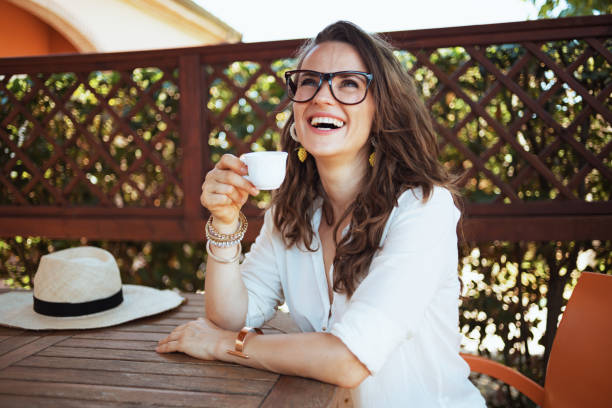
{"x": 321, "y": 356}
{"x": 226, "y": 296}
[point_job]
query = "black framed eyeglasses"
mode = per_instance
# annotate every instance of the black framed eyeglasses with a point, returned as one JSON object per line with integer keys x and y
{"x": 348, "y": 87}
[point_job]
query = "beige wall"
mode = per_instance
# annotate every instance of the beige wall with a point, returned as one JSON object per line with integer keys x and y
{"x": 106, "y": 26}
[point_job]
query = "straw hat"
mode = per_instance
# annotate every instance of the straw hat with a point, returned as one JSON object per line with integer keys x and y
{"x": 80, "y": 288}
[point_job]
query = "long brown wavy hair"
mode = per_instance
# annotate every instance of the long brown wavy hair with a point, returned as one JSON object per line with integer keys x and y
{"x": 406, "y": 157}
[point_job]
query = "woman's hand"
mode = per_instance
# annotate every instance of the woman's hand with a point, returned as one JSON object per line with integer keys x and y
{"x": 225, "y": 191}
{"x": 199, "y": 338}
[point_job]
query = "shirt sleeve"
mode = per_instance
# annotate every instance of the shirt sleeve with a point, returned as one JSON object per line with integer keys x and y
{"x": 261, "y": 276}
{"x": 389, "y": 304}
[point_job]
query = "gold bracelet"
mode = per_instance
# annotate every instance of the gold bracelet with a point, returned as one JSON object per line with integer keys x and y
{"x": 240, "y": 340}
{"x": 219, "y": 239}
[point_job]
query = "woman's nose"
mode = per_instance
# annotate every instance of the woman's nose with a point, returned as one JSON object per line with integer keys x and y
{"x": 324, "y": 94}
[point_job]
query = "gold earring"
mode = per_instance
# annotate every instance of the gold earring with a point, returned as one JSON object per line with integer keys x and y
{"x": 372, "y": 159}
{"x": 302, "y": 154}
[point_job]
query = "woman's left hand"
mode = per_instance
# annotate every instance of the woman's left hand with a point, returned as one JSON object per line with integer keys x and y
{"x": 199, "y": 338}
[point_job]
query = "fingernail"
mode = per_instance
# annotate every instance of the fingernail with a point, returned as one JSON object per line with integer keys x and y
{"x": 255, "y": 191}
{"x": 244, "y": 170}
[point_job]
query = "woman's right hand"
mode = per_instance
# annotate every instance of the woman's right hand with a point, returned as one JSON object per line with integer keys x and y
{"x": 225, "y": 191}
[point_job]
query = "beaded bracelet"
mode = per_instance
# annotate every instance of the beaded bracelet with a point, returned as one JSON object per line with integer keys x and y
{"x": 226, "y": 240}
{"x": 224, "y": 260}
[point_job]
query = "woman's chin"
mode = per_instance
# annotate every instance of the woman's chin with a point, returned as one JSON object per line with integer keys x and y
{"x": 327, "y": 149}
{"x": 325, "y": 154}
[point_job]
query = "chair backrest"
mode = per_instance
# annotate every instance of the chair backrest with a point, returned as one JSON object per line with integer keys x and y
{"x": 579, "y": 372}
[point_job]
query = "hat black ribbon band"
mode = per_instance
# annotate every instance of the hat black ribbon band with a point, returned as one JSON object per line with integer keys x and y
{"x": 59, "y": 309}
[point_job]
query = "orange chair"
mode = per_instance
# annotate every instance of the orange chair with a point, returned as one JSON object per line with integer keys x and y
{"x": 579, "y": 372}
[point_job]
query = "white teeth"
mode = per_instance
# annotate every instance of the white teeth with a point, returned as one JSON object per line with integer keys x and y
{"x": 324, "y": 119}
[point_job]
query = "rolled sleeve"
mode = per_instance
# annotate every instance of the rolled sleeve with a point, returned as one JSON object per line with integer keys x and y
{"x": 261, "y": 275}
{"x": 364, "y": 318}
{"x": 418, "y": 253}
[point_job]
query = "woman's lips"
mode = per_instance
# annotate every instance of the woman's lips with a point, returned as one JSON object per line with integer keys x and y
{"x": 325, "y": 124}
{"x": 326, "y": 120}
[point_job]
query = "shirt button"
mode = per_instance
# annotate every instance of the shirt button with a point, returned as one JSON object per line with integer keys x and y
{"x": 324, "y": 328}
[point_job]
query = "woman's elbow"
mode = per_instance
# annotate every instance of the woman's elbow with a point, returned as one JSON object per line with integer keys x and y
{"x": 224, "y": 321}
{"x": 352, "y": 374}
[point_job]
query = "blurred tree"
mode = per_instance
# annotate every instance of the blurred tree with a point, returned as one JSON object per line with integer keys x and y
{"x": 571, "y": 8}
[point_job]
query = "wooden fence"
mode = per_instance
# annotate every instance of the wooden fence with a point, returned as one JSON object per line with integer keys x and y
{"x": 116, "y": 146}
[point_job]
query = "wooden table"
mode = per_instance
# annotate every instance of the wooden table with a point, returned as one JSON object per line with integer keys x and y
{"x": 118, "y": 366}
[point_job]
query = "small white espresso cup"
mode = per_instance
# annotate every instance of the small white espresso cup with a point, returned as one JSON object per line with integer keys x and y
{"x": 266, "y": 169}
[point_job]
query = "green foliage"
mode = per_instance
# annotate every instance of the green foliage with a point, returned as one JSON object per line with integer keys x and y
{"x": 571, "y": 8}
{"x": 253, "y": 120}
{"x": 514, "y": 294}
{"x": 512, "y": 130}
{"x": 79, "y": 149}
{"x": 245, "y": 104}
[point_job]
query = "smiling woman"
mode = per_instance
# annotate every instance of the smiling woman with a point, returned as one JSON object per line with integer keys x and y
{"x": 360, "y": 241}
{"x": 333, "y": 122}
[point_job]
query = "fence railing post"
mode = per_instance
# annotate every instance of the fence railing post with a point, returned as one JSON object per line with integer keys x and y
{"x": 191, "y": 131}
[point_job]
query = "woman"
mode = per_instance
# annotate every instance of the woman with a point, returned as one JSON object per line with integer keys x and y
{"x": 360, "y": 240}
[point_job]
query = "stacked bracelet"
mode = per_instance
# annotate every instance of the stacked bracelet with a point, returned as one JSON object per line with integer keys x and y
{"x": 226, "y": 240}
{"x": 220, "y": 240}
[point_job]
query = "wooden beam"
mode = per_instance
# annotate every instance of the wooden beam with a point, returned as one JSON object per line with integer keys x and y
{"x": 473, "y": 228}
{"x": 191, "y": 135}
{"x": 107, "y": 228}
{"x": 536, "y": 228}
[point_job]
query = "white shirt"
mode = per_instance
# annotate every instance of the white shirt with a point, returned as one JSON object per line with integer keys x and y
{"x": 401, "y": 322}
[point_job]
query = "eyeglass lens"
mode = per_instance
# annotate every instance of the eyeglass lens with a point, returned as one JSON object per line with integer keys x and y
{"x": 347, "y": 88}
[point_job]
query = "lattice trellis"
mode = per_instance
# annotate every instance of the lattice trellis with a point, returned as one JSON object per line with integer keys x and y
{"x": 96, "y": 146}
{"x": 246, "y": 106}
{"x": 105, "y": 139}
{"x": 518, "y": 107}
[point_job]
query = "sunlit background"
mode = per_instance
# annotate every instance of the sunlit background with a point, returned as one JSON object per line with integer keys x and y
{"x": 295, "y": 19}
